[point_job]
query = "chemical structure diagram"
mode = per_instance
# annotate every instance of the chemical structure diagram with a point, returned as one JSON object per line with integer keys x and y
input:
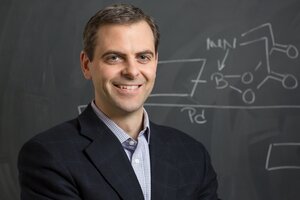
{"x": 222, "y": 80}
{"x": 288, "y": 81}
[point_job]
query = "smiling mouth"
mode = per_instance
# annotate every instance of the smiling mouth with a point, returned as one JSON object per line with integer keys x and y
{"x": 128, "y": 87}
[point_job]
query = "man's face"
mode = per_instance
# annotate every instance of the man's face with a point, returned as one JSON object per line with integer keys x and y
{"x": 123, "y": 69}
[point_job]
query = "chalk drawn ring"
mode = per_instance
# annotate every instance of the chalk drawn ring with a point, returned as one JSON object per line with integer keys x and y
{"x": 289, "y": 81}
{"x": 248, "y": 96}
{"x": 292, "y": 51}
{"x": 247, "y": 78}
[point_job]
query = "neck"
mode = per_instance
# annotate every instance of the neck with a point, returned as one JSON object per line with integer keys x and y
{"x": 131, "y": 124}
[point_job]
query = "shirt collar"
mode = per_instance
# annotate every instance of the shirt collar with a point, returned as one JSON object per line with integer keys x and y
{"x": 119, "y": 132}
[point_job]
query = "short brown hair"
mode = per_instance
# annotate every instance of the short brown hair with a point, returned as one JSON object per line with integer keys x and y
{"x": 115, "y": 14}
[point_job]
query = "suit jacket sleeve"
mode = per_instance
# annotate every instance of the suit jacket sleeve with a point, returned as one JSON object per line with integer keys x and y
{"x": 42, "y": 176}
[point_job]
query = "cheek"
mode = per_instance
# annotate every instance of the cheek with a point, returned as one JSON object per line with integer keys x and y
{"x": 151, "y": 73}
{"x": 107, "y": 73}
{"x": 153, "y": 77}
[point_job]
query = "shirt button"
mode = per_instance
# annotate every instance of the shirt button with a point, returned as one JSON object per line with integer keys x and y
{"x": 131, "y": 142}
{"x": 137, "y": 160}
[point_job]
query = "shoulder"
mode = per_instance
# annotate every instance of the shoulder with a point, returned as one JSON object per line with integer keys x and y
{"x": 62, "y": 131}
{"x": 71, "y": 129}
{"x": 59, "y": 140}
{"x": 62, "y": 144}
{"x": 48, "y": 158}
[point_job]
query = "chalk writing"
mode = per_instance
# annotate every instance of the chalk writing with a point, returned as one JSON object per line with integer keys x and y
{"x": 220, "y": 43}
{"x": 195, "y": 117}
{"x": 288, "y": 81}
{"x": 221, "y": 80}
{"x": 290, "y": 50}
{"x": 287, "y": 150}
{"x": 195, "y": 82}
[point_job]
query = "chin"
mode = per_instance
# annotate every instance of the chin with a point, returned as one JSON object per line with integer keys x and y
{"x": 130, "y": 109}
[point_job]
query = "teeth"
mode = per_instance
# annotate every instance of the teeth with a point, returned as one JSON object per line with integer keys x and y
{"x": 128, "y": 87}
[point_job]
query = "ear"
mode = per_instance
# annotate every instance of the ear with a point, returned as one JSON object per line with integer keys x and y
{"x": 85, "y": 65}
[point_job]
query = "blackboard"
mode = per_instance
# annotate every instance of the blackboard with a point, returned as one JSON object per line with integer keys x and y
{"x": 228, "y": 75}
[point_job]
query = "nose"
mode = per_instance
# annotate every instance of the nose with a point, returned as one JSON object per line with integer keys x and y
{"x": 131, "y": 69}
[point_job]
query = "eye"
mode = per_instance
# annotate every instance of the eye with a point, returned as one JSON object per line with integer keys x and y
{"x": 113, "y": 59}
{"x": 144, "y": 58}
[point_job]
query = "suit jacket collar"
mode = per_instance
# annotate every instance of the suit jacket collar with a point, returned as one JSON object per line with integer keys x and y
{"x": 107, "y": 154}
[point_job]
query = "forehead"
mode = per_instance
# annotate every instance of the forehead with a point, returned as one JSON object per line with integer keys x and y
{"x": 134, "y": 35}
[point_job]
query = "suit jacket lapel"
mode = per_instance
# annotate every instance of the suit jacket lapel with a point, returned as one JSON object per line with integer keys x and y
{"x": 108, "y": 156}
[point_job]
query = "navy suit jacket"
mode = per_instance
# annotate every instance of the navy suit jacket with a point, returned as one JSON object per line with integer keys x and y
{"x": 82, "y": 159}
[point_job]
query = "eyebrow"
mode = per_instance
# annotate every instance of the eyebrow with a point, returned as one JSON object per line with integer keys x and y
{"x": 147, "y": 52}
{"x": 124, "y": 55}
{"x": 112, "y": 52}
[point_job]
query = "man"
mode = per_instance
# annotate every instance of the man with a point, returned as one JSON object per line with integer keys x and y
{"x": 112, "y": 151}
